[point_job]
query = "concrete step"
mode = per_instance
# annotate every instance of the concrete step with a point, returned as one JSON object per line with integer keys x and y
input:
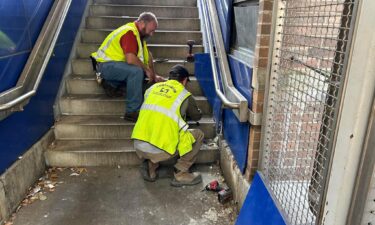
{"x": 149, "y": 2}
{"x": 100, "y": 104}
{"x": 77, "y": 84}
{"x": 135, "y": 10}
{"x": 158, "y": 51}
{"x": 113, "y": 22}
{"x": 78, "y": 153}
{"x": 160, "y": 36}
{"x": 111, "y": 127}
{"x": 84, "y": 67}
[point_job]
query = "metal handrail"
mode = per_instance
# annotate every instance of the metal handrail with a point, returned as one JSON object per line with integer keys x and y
{"x": 231, "y": 97}
{"x": 33, "y": 71}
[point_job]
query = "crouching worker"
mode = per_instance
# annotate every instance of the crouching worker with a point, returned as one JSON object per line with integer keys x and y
{"x": 161, "y": 131}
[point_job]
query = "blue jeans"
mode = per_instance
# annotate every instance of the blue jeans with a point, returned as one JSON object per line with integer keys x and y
{"x": 122, "y": 73}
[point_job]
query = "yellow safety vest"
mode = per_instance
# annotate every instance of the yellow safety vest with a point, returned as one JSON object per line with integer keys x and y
{"x": 111, "y": 50}
{"x": 160, "y": 122}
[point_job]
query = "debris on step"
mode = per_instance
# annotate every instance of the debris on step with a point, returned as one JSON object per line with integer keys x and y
{"x": 11, "y": 220}
{"x": 77, "y": 171}
{"x": 210, "y": 143}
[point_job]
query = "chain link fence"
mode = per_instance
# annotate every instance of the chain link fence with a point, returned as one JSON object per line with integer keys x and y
{"x": 311, "y": 43}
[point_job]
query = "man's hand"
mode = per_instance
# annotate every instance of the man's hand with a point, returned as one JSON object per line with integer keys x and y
{"x": 159, "y": 78}
{"x": 150, "y": 74}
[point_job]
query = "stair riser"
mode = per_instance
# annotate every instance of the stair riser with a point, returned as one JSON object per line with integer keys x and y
{"x": 83, "y": 159}
{"x": 149, "y": 2}
{"x": 76, "y": 131}
{"x": 74, "y": 159}
{"x": 117, "y": 10}
{"x": 105, "y": 107}
{"x": 84, "y": 51}
{"x": 76, "y": 86}
{"x": 84, "y": 67}
{"x": 163, "y": 24}
{"x": 97, "y": 36}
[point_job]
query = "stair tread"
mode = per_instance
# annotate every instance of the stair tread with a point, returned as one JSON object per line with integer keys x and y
{"x": 103, "y": 97}
{"x": 173, "y": 61}
{"x": 118, "y": 145}
{"x": 146, "y": 6}
{"x": 152, "y": 45}
{"x": 156, "y": 31}
{"x": 110, "y": 120}
{"x": 93, "y": 78}
{"x": 148, "y": 2}
{"x": 135, "y": 17}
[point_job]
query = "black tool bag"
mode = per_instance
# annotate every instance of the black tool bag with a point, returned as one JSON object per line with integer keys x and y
{"x": 94, "y": 64}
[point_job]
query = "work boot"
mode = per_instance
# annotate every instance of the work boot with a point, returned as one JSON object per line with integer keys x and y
{"x": 148, "y": 170}
{"x": 182, "y": 178}
{"x": 111, "y": 91}
{"x": 131, "y": 116}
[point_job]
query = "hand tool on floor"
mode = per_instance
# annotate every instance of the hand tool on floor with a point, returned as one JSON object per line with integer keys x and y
{"x": 213, "y": 186}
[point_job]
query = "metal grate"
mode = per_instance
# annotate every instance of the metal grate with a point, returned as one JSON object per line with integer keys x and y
{"x": 307, "y": 74}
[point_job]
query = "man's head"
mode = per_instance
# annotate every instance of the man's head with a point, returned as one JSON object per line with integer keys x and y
{"x": 179, "y": 73}
{"x": 147, "y": 24}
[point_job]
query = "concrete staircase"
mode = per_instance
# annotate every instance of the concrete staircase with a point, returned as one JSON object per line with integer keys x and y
{"x": 91, "y": 130}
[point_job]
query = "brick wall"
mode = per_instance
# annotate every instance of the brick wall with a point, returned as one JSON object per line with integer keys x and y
{"x": 306, "y": 43}
{"x": 258, "y": 82}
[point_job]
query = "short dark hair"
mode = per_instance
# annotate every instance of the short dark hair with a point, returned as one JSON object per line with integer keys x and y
{"x": 179, "y": 73}
{"x": 147, "y": 17}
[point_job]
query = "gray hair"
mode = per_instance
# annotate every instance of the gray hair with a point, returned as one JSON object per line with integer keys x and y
{"x": 147, "y": 17}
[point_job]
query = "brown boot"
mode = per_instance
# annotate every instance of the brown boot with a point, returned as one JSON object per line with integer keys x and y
{"x": 182, "y": 178}
{"x": 152, "y": 169}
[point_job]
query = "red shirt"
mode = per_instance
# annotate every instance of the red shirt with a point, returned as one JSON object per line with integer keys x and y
{"x": 129, "y": 43}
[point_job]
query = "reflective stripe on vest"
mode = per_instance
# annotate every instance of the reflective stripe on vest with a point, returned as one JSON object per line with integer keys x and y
{"x": 181, "y": 124}
{"x": 171, "y": 113}
{"x": 101, "y": 51}
{"x": 101, "y": 55}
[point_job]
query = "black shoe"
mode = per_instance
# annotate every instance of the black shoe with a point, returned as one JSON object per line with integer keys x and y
{"x": 131, "y": 116}
{"x": 111, "y": 91}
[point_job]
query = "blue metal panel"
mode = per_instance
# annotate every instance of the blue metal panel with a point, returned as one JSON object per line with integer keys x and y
{"x": 225, "y": 13}
{"x": 10, "y": 69}
{"x": 237, "y": 136}
{"x": 203, "y": 73}
{"x": 22, "y": 129}
{"x": 235, "y": 133}
{"x": 20, "y": 24}
{"x": 36, "y": 15}
{"x": 242, "y": 75}
{"x": 259, "y": 207}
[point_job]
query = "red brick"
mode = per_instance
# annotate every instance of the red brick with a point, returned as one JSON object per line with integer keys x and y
{"x": 265, "y": 17}
{"x": 263, "y": 40}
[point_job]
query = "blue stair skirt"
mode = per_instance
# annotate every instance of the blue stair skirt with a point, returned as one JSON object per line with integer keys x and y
{"x": 235, "y": 132}
{"x": 259, "y": 208}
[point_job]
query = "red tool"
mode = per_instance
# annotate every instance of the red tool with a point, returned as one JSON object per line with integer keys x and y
{"x": 213, "y": 186}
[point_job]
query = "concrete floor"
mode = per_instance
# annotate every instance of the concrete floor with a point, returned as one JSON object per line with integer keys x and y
{"x": 114, "y": 196}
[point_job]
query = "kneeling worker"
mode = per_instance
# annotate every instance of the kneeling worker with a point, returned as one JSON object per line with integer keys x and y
{"x": 161, "y": 131}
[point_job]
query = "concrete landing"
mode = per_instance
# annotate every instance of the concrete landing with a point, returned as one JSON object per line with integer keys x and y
{"x": 119, "y": 196}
